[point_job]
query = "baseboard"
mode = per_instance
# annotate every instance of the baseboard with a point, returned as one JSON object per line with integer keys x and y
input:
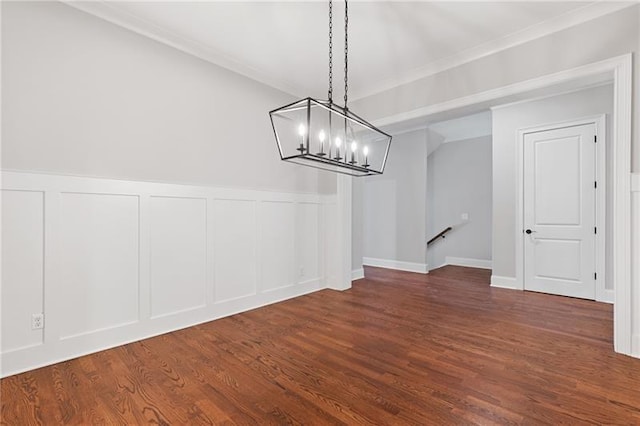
{"x": 468, "y": 262}
{"x": 635, "y": 345}
{"x": 421, "y": 268}
{"x": 635, "y": 182}
{"x": 504, "y": 282}
{"x": 357, "y": 274}
{"x": 607, "y": 296}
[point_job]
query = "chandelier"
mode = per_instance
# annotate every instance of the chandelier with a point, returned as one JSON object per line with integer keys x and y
{"x": 324, "y": 135}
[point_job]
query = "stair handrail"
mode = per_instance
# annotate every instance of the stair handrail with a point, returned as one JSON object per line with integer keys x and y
{"x": 441, "y": 234}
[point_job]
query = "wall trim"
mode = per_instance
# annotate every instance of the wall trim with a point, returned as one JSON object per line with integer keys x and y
{"x": 504, "y": 282}
{"x": 421, "y": 268}
{"x": 542, "y": 29}
{"x": 608, "y": 296}
{"x": 635, "y": 188}
{"x": 635, "y": 182}
{"x": 585, "y": 71}
{"x": 108, "y": 11}
{"x": 357, "y": 274}
{"x": 111, "y": 13}
{"x": 268, "y": 286}
{"x": 468, "y": 262}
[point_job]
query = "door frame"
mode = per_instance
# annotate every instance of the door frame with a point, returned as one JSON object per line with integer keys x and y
{"x": 602, "y": 295}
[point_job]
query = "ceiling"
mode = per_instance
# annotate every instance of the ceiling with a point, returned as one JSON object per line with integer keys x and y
{"x": 284, "y": 44}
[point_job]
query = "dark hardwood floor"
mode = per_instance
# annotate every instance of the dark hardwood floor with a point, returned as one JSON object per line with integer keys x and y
{"x": 398, "y": 348}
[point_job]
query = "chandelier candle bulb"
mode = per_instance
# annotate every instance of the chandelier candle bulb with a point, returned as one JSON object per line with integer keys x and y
{"x": 365, "y": 151}
{"x": 354, "y": 147}
{"x": 321, "y": 137}
{"x": 302, "y": 131}
{"x": 338, "y": 143}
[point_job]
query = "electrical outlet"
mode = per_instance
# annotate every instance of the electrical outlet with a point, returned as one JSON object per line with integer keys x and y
{"x": 37, "y": 321}
{"x": 464, "y": 216}
{"x": 301, "y": 271}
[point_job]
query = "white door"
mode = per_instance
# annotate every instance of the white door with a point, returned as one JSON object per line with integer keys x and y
{"x": 559, "y": 211}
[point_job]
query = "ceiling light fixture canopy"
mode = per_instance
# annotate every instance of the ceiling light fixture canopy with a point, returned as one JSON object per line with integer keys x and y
{"x": 324, "y": 135}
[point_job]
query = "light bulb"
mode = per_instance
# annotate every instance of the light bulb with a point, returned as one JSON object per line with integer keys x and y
{"x": 354, "y": 146}
{"x": 365, "y": 150}
{"x": 302, "y": 130}
{"x": 321, "y": 135}
{"x": 338, "y": 142}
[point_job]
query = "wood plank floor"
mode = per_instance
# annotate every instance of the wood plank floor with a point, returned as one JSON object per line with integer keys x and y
{"x": 398, "y": 348}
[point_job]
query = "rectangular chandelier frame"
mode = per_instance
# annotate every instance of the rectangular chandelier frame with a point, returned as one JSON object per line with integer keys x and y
{"x": 309, "y": 115}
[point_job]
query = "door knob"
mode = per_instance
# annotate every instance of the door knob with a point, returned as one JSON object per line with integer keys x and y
{"x": 528, "y": 231}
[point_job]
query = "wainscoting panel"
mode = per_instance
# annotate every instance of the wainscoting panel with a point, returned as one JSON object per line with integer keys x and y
{"x": 308, "y": 240}
{"x": 99, "y": 254}
{"x": 277, "y": 239}
{"x": 110, "y": 262}
{"x": 235, "y": 250}
{"x": 22, "y": 267}
{"x": 178, "y": 250}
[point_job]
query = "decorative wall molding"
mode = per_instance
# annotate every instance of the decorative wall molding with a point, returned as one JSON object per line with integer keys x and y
{"x": 504, "y": 282}
{"x": 421, "y": 268}
{"x": 635, "y": 251}
{"x": 608, "y": 296}
{"x": 111, "y": 13}
{"x": 558, "y": 23}
{"x": 468, "y": 262}
{"x": 109, "y": 262}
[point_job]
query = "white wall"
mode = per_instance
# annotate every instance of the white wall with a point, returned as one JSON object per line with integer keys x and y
{"x": 114, "y": 260}
{"x": 393, "y": 205}
{"x": 84, "y": 97}
{"x": 459, "y": 180}
{"x": 506, "y": 123}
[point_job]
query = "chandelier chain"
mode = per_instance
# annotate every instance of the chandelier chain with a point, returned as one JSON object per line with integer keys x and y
{"x": 330, "y": 94}
{"x": 346, "y": 52}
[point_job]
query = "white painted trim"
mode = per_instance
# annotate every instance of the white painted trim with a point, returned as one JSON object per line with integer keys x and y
{"x": 342, "y": 249}
{"x": 421, "y": 268}
{"x": 468, "y": 262}
{"x": 621, "y": 68}
{"x": 558, "y": 23}
{"x": 600, "y": 129}
{"x": 621, "y": 149}
{"x": 635, "y": 182}
{"x": 589, "y": 70}
{"x": 54, "y": 348}
{"x": 109, "y": 11}
{"x": 608, "y": 296}
{"x": 635, "y": 188}
{"x": 357, "y": 274}
{"x": 504, "y": 282}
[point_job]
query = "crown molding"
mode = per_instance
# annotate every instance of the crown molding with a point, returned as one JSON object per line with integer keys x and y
{"x": 550, "y": 26}
{"x": 108, "y": 11}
